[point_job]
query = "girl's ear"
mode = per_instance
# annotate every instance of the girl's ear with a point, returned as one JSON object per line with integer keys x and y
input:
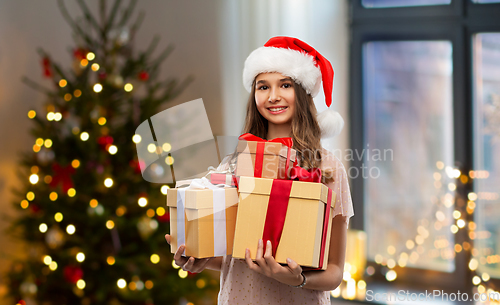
{"x": 331, "y": 123}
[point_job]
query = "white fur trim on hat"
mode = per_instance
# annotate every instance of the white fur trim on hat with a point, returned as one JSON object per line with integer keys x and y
{"x": 295, "y": 64}
{"x": 330, "y": 122}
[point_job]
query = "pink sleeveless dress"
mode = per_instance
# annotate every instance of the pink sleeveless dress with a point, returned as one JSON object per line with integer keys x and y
{"x": 241, "y": 286}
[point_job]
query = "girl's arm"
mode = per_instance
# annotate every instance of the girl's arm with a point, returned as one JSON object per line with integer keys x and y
{"x": 215, "y": 263}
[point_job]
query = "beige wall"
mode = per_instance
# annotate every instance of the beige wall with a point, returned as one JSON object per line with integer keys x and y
{"x": 212, "y": 39}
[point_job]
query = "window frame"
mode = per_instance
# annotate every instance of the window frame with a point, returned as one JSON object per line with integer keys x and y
{"x": 457, "y": 23}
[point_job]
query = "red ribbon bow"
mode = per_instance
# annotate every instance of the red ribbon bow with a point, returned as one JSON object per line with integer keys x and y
{"x": 250, "y": 137}
{"x": 259, "y": 154}
{"x": 301, "y": 174}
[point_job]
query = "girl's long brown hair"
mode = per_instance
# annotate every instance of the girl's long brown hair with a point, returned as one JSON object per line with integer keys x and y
{"x": 306, "y": 133}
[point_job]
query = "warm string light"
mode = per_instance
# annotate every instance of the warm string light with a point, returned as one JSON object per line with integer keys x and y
{"x": 121, "y": 283}
{"x": 108, "y": 182}
{"x": 164, "y": 189}
{"x": 75, "y": 163}
{"x": 120, "y": 211}
{"x": 25, "y": 204}
{"x": 80, "y": 284}
{"x": 110, "y": 224}
{"x": 142, "y": 201}
{"x": 43, "y": 227}
{"x": 33, "y": 179}
{"x": 112, "y": 149}
{"x": 84, "y": 136}
{"x": 58, "y": 217}
{"x": 182, "y": 274}
{"x": 97, "y": 88}
{"x": 80, "y": 257}
{"x": 166, "y": 147}
{"x": 30, "y": 196}
{"x": 93, "y": 203}
{"x": 71, "y": 192}
{"x": 155, "y": 258}
{"x": 137, "y": 139}
{"x": 53, "y": 196}
{"x": 160, "y": 211}
{"x": 201, "y": 283}
{"x": 175, "y": 265}
{"x": 70, "y": 229}
{"x": 53, "y": 266}
{"x": 110, "y": 260}
{"x": 54, "y": 116}
{"x": 84, "y": 62}
{"x": 101, "y": 121}
{"x": 169, "y": 160}
{"x": 128, "y": 87}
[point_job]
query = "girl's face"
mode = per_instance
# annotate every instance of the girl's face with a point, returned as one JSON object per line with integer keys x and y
{"x": 275, "y": 98}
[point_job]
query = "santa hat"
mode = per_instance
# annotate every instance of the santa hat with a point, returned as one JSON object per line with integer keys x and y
{"x": 306, "y": 66}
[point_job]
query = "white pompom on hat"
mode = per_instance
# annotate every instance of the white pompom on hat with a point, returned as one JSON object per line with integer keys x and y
{"x": 306, "y": 66}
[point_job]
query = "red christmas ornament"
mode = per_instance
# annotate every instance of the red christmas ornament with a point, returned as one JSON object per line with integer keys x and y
{"x": 34, "y": 208}
{"x": 72, "y": 274}
{"x": 135, "y": 165}
{"x": 105, "y": 141}
{"x": 47, "y": 69}
{"x": 102, "y": 75}
{"x": 80, "y": 53}
{"x": 21, "y": 302}
{"x": 164, "y": 218}
{"x": 143, "y": 76}
{"x": 62, "y": 175}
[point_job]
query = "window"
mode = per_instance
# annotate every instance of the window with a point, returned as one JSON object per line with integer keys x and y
{"x": 409, "y": 150}
{"x": 399, "y": 3}
{"x": 486, "y": 47}
{"x": 425, "y": 86}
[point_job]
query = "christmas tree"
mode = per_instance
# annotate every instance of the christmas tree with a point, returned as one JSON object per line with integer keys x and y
{"x": 95, "y": 228}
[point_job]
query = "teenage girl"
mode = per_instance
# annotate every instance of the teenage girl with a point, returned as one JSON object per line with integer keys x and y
{"x": 283, "y": 77}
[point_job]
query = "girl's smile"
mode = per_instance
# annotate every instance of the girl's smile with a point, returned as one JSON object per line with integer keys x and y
{"x": 277, "y": 110}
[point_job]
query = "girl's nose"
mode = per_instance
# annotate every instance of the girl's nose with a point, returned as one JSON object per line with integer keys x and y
{"x": 274, "y": 95}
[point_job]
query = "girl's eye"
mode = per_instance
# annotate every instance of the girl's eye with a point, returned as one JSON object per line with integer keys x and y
{"x": 286, "y": 85}
{"x": 262, "y": 88}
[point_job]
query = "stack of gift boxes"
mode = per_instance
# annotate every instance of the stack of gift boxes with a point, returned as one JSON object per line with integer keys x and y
{"x": 267, "y": 197}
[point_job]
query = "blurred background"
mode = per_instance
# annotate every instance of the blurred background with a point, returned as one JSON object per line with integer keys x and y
{"x": 416, "y": 81}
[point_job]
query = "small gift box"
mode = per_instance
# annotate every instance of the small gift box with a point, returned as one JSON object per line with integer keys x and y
{"x": 203, "y": 217}
{"x": 295, "y": 215}
{"x": 264, "y": 159}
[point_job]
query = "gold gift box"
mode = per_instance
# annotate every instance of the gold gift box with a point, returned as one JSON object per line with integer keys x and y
{"x": 199, "y": 220}
{"x": 273, "y": 163}
{"x": 301, "y": 239}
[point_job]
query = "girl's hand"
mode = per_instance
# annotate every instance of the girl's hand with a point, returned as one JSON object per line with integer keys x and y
{"x": 190, "y": 264}
{"x": 267, "y": 265}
